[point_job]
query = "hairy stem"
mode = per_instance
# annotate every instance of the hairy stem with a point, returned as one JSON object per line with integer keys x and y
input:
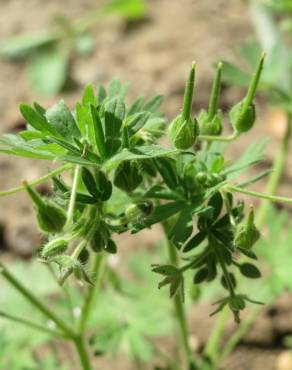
{"x": 272, "y": 198}
{"x": 238, "y": 334}
{"x": 38, "y": 181}
{"x": 82, "y": 353}
{"x": 30, "y": 324}
{"x": 98, "y": 270}
{"x": 66, "y": 292}
{"x": 35, "y": 301}
{"x": 72, "y": 201}
{"x": 232, "y": 137}
{"x": 212, "y": 347}
{"x": 179, "y": 308}
{"x": 276, "y": 174}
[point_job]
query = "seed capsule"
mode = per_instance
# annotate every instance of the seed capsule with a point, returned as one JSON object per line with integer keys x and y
{"x": 243, "y": 114}
{"x": 183, "y": 133}
{"x": 51, "y": 218}
{"x": 242, "y": 120}
{"x": 135, "y": 212}
{"x": 247, "y": 234}
{"x": 184, "y": 130}
{"x": 54, "y": 248}
{"x": 210, "y": 126}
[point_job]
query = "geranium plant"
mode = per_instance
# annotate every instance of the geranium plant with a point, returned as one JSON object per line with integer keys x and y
{"x": 124, "y": 180}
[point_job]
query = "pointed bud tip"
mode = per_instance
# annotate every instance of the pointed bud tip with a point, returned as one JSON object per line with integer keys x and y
{"x": 193, "y": 65}
{"x": 219, "y": 66}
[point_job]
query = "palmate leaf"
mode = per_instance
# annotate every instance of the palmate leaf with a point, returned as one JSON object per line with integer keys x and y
{"x": 160, "y": 213}
{"x": 37, "y": 120}
{"x": 136, "y": 153}
{"x": 182, "y": 229}
{"x": 252, "y": 156}
{"x": 125, "y": 321}
{"x": 15, "y": 145}
{"x": 62, "y": 120}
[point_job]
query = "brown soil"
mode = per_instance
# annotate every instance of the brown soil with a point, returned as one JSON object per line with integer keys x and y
{"x": 154, "y": 57}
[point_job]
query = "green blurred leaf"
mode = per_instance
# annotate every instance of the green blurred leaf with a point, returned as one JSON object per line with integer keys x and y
{"x": 48, "y": 72}
{"x": 21, "y": 45}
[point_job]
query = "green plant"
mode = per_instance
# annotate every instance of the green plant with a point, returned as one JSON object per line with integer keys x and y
{"x": 49, "y": 53}
{"x": 124, "y": 180}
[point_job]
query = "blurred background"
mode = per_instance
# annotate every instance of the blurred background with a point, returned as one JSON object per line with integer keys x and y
{"x": 49, "y": 50}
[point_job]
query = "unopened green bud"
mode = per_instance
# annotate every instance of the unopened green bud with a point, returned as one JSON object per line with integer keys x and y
{"x": 127, "y": 176}
{"x": 54, "y": 248}
{"x": 51, "y": 218}
{"x": 201, "y": 177}
{"x": 214, "y": 178}
{"x": 242, "y": 119}
{"x": 247, "y": 234}
{"x": 134, "y": 212}
{"x": 210, "y": 126}
{"x": 184, "y": 130}
{"x": 183, "y": 133}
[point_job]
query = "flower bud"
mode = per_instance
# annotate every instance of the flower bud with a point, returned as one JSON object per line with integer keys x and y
{"x": 242, "y": 119}
{"x": 243, "y": 114}
{"x": 135, "y": 212}
{"x": 201, "y": 177}
{"x": 51, "y": 218}
{"x": 183, "y": 133}
{"x": 127, "y": 176}
{"x": 54, "y": 248}
{"x": 210, "y": 126}
{"x": 214, "y": 178}
{"x": 247, "y": 234}
{"x": 184, "y": 130}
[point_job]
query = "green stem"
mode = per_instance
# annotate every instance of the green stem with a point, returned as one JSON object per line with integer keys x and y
{"x": 38, "y": 181}
{"x": 276, "y": 174}
{"x": 98, "y": 269}
{"x": 35, "y": 301}
{"x": 272, "y": 198}
{"x": 82, "y": 353}
{"x": 66, "y": 292}
{"x": 229, "y": 138}
{"x": 212, "y": 347}
{"x": 30, "y": 324}
{"x": 179, "y": 308}
{"x": 224, "y": 269}
{"x": 70, "y": 212}
{"x": 236, "y": 337}
{"x": 79, "y": 249}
